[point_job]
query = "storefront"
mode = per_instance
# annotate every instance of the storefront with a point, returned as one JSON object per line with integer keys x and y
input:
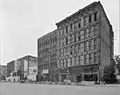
{"x": 63, "y": 74}
{"x": 53, "y": 75}
{"x": 84, "y": 73}
{"x": 44, "y": 75}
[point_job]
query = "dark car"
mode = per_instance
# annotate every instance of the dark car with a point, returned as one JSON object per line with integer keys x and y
{"x": 22, "y": 81}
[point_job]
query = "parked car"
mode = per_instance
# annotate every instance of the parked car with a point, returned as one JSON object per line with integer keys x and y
{"x": 22, "y": 81}
{"x": 68, "y": 82}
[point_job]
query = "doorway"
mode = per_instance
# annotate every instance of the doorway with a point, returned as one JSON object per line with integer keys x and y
{"x": 78, "y": 78}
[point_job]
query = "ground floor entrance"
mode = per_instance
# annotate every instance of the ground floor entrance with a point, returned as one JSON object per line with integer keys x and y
{"x": 87, "y": 77}
{"x": 90, "y": 77}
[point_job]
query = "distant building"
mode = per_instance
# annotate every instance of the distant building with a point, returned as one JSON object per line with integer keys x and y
{"x": 28, "y": 67}
{"x": 32, "y": 69}
{"x": 4, "y": 70}
{"x": 23, "y": 68}
{"x": 85, "y": 44}
{"x": 47, "y": 57}
{"x": 10, "y": 68}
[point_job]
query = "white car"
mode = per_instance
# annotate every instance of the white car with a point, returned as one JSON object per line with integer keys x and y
{"x": 67, "y": 82}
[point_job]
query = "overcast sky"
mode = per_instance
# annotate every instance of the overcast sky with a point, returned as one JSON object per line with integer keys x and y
{"x": 23, "y": 21}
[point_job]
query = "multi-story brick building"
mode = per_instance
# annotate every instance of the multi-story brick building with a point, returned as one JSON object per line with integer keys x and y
{"x": 47, "y": 63}
{"x": 85, "y": 44}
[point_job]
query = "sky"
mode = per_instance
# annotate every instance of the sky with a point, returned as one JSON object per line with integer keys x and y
{"x": 23, "y": 21}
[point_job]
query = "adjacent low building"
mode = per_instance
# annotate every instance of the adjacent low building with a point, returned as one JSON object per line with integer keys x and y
{"x": 24, "y": 68}
{"x": 3, "y": 71}
{"x": 28, "y": 68}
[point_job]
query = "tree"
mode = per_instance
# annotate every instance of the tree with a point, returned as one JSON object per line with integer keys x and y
{"x": 117, "y": 60}
{"x": 109, "y": 74}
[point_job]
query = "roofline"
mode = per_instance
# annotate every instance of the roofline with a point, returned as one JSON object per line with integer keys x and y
{"x": 26, "y": 56}
{"x": 84, "y": 9}
{"x": 46, "y": 34}
{"x": 79, "y": 11}
{"x": 105, "y": 14}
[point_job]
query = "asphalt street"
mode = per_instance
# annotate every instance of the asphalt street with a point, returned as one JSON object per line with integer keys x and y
{"x": 45, "y": 89}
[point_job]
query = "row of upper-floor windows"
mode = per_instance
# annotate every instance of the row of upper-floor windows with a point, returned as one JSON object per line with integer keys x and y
{"x": 46, "y": 53}
{"x": 79, "y": 24}
{"x": 47, "y": 42}
{"x": 43, "y": 58}
{"x": 79, "y": 48}
{"x": 31, "y": 63}
{"x": 53, "y": 56}
{"x": 50, "y": 57}
{"x": 80, "y": 35}
{"x": 79, "y": 60}
{"x": 47, "y": 66}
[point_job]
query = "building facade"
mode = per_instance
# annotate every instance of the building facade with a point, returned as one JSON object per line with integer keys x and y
{"x": 47, "y": 57}
{"x": 28, "y": 67}
{"x": 10, "y": 68}
{"x": 3, "y": 72}
{"x": 85, "y": 44}
{"x": 32, "y": 69}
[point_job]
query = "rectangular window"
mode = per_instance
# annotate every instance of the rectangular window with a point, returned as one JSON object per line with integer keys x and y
{"x": 86, "y": 21}
{"x": 87, "y": 46}
{"x": 90, "y": 59}
{"x": 63, "y": 32}
{"x": 90, "y": 18}
{"x": 75, "y": 25}
{"x": 61, "y": 63}
{"x": 66, "y": 29}
{"x": 71, "y": 52}
{"x": 82, "y": 47}
{"x": 71, "y": 27}
{"x": 96, "y": 29}
{"x": 90, "y": 45}
{"x": 75, "y": 49}
{"x": 82, "y": 35}
{"x": 60, "y": 33}
{"x": 79, "y": 36}
{"x": 86, "y": 33}
{"x": 70, "y": 61}
{"x": 75, "y": 37}
{"x": 66, "y": 40}
{"x": 82, "y": 22}
{"x": 82, "y": 60}
{"x": 77, "y": 63}
{"x": 95, "y": 43}
{"x": 73, "y": 62}
{"x": 79, "y": 25}
{"x": 95, "y": 16}
{"x": 87, "y": 59}
{"x": 66, "y": 62}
